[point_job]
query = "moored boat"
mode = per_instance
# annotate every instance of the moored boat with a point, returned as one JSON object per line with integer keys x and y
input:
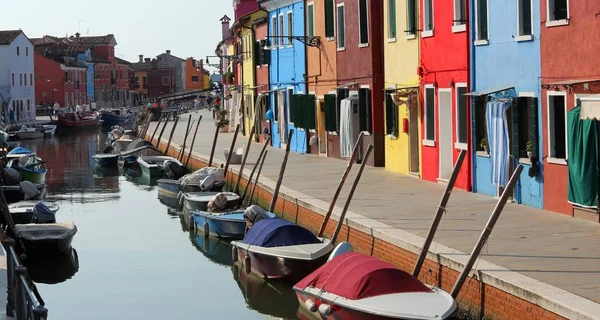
{"x": 124, "y": 141}
{"x": 113, "y": 117}
{"x": 49, "y": 129}
{"x": 29, "y": 132}
{"x": 18, "y": 152}
{"x": 357, "y": 286}
{"x": 16, "y": 193}
{"x": 22, "y": 211}
{"x": 30, "y": 168}
{"x": 199, "y": 200}
{"x": 229, "y": 225}
{"x": 46, "y": 238}
{"x": 78, "y": 120}
{"x": 153, "y": 166}
{"x": 106, "y": 159}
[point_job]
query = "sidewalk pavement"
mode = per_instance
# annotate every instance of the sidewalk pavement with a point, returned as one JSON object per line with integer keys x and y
{"x": 561, "y": 251}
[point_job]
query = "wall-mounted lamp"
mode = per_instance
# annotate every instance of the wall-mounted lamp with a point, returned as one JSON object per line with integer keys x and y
{"x": 451, "y": 84}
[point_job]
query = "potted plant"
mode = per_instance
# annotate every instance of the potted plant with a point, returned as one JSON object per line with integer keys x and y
{"x": 222, "y": 121}
{"x": 529, "y": 149}
{"x": 484, "y": 144}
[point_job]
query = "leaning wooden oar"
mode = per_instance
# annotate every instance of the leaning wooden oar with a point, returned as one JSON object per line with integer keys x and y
{"x": 193, "y": 141}
{"x": 214, "y": 145}
{"x": 171, "y": 135}
{"x": 264, "y": 149}
{"x": 281, "y": 172}
{"x": 486, "y": 231}
{"x": 162, "y": 131}
{"x": 187, "y": 132}
{"x": 439, "y": 213}
{"x": 241, "y": 173}
{"x": 341, "y": 184}
{"x": 262, "y": 161}
{"x": 156, "y": 129}
{"x": 235, "y": 135}
{"x": 338, "y": 227}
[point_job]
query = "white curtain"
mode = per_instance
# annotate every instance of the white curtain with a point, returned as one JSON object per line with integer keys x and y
{"x": 346, "y": 130}
{"x": 281, "y": 116}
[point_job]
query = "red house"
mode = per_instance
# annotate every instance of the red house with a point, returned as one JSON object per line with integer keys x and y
{"x": 444, "y": 81}
{"x": 358, "y": 36}
{"x": 160, "y": 78}
{"x": 262, "y": 71}
{"x": 570, "y": 77}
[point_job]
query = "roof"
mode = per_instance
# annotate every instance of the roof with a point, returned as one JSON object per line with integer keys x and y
{"x": 8, "y": 36}
{"x": 108, "y": 39}
{"x": 122, "y": 61}
{"x": 277, "y": 232}
{"x": 356, "y": 276}
{"x": 169, "y": 55}
{"x": 145, "y": 66}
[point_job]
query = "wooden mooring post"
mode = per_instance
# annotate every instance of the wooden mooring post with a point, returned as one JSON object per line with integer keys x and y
{"x": 281, "y": 172}
{"x": 214, "y": 145}
{"x": 246, "y": 152}
{"x": 171, "y": 135}
{"x": 162, "y": 131}
{"x": 193, "y": 141}
{"x": 156, "y": 129}
{"x": 262, "y": 161}
{"x": 187, "y": 132}
{"x": 260, "y": 156}
{"x": 235, "y": 135}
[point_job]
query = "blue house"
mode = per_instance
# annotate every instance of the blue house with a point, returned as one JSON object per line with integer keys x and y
{"x": 85, "y": 59}
{"x": 287, "y": 69}
{"x": 505, "y": 72}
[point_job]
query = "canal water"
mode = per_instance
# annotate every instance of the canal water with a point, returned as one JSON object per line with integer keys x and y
{"x": 133, "y": 260}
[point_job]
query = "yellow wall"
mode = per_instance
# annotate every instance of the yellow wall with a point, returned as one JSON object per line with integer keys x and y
{"x": 401, "y": 60}
{"x": 206, "y": 81}
{"x": 141, "y": 75}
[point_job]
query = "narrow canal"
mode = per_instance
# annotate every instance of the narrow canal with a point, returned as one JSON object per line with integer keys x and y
{"x": 135, "y": 261}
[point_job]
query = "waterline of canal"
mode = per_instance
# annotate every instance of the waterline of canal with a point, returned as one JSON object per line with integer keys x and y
{"x": 135, "y": 261}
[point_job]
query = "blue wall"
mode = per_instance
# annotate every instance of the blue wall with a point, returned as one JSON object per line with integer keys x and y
{"x": 507, "y": 62}
{"x": 85, "y": 59}
{"x": 288, "y": 67}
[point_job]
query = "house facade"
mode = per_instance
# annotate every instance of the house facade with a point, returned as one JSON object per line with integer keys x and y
{"x": 570, "y": 90}
{"x": 194, "y": 70}
{"x": 122, "y": 85}
{"x": 444, "y": 74}
{"x": 85, "y": 59}
{"x": 401, "y": 57}
{"x": 359, "y": 38}
{"x": 514, "y": 37}
{"x": 261, "y": 31}
{"x": 17, "y": 85}
{"x": 176, "y": 63}
{"x": 153, "y": 78}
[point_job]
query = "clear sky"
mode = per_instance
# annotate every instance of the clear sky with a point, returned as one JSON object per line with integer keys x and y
{"x": 189, "y": 28}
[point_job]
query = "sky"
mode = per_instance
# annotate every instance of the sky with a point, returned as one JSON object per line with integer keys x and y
{"x": 189, "y": 28}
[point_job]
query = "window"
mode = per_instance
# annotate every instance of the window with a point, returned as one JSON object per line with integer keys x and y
{"x": 557, "y": 125}
{"x": 31, "y": 79}
{"x": 13, "y": 79}
{"x": 342, "y": 93}
{"x": 391, "y": 115}
{"x": 524, "y": 19}
{"x": 429, "y": 113}
{"x": 290, "y": 112}
{"x": 524, "y": 126}
{"x": 18, "y": 50}
{"x": 341, "y": 25}
{"x": 290, "y": 28}
{"x": 460, "y": 16}
{"x": 411, "y": 18}
{"x": 363, "y": 22}
{"x": 275, "y": 105}
{"x": 165, "y": 81}
{"x": 329, "y": 105}
{"x": 282, "y": 40}
{"x": 145, "y": 82}
{"x": 25, "y": 80}
{"x": 558, "y": 12}
{"x": 27, "y": 55}
{"x": 481, "y": 18}
{"x": 462, "y": 121}
{"x": 195, "y": 79}
{"x": 311, "y": 19}
{"x": 329, "y": 20}
{"x": 20, "y": 79}
{"x": 274, "y": 30}
{"x": 364, "y": 110}
{"x": 427, "y": 18}
{"x": 391, "y": 19}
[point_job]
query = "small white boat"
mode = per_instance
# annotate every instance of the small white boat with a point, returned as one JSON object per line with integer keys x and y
{"x": 153, "y": 165}
{"x": 22, "y": 211}
{"x": 49, "y": 129}
{"x": 123, "y": 142}
{"x": 26, "y": 133}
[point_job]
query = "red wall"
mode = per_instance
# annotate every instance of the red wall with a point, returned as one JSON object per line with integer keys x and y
{"x": 568, "y": 53}
{"x": 48, "y": 69}
{"x": 106, "y": 52}
{"x": 262, "y": 73}
{"x": 444, "y": 58}
{"x": 245, "y": 7}
{"x": 70, "y": 87}
{"x": 122, "y": 76}
{"x": 155, "y": 85}
{"x": 363, "y": 65}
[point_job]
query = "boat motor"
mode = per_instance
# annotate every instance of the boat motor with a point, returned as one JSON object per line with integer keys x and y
{"x": 11, "y": 177}
{"x": 29, "y": 190}
{"x": 43, "y": 214}
{"x": 173, "y": 170}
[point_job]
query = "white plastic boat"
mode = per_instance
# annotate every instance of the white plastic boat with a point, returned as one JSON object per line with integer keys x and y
{"x": 153, "y": 165}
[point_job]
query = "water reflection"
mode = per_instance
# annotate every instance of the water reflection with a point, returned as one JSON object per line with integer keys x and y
{"x": 108, "y": 171}
{"x": 53, "y": 270}
{"x": 215, "y": 250}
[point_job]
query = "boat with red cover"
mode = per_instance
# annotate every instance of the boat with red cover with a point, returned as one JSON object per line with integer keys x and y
{"x": 357, "y": 286}
{"x": 76, "y": 119}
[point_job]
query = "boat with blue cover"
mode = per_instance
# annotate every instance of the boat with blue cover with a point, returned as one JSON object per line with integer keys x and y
{"x": 18, "y": 152}
{"x": 279, "y": 249}
{"x": 226, "y": 225}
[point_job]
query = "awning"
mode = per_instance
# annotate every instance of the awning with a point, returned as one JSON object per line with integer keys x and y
{"x": 573, "y": 81}
{"x": 489, "y": 91}
{"x": 590, "y": 107}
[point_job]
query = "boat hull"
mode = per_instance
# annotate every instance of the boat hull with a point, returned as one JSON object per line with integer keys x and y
{"x": 81, "y": 123}
{"x": 14, "y": 194}
{"x": 32, "y": 176}
{"x": 231, "y": 226}
{"x": 152, "y": 171}
{"x": 107, "y": 161}
{"x": 113, "y": 119}
{"x": 122, "y": 144}
{"x": 338, "y": 312}
{"x": 28, "y": 135}
{"x": 47, "y": 247}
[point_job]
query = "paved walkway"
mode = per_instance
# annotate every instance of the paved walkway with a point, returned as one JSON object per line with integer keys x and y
{"x": 558, "y": 250}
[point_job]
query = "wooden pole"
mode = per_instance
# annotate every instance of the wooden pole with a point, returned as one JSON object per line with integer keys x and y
{"x": 338, "y": 227}
{"x": 214, "y": 145}
{"x": 262, "y": 152}
{"x": 439, "y": 213}
{"x": 187, "y": 132}
{"x": 281, "y": 172}
{"x": 193, "y": 141}
{"x": 262, "y": 161}
{"x": 156, "y": 129}
{"x": 162, "y": 131}
{"x": 146, "y": 127}
{"x": 486, "y": 231}
{"x": 171, "y": 135}
{"x": 341, "y": 184}
{"x": 241, "y": 173}
{"x": 235, "y": 135}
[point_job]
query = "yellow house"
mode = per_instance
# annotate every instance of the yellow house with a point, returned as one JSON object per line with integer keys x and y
{"x": 401, "y": 60}
{"x": 206, "y": 80}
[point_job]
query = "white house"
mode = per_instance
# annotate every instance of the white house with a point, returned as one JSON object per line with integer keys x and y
{"x": 17, "y": 79}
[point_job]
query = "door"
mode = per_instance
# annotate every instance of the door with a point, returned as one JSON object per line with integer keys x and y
{"x": 413, "y": 136}
{"x": 321, "y": 128}
{"x": 445, "y": 133}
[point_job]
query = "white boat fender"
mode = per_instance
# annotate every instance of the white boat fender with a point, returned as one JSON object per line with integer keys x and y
{"x": 310, "y": 305}
{"x": 247, "y": 264}
{"x": 341, "y": 248}
{"x": 234, "y": 254}
{"x": 325, "y": 310}
{"x": 206, "y": 229}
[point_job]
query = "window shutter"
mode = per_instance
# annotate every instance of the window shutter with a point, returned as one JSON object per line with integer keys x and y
{"x": 267, "y": 53}
{"x": 388, "y": 113}
{"x": 392, "y": 18}
{"x": 308, "y": 110}
{"x": 257, "y": 54}
{"x": 364, "y": 109}
{"x": 311, "y": 20}
{"x": 516, "y": 152}
{"x": 329, "y": 27}
{"x": 330, "y": 114}
{"x": 533, "y": 125}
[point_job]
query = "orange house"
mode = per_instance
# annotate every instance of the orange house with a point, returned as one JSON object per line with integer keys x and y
{"x": 194, "y": 74}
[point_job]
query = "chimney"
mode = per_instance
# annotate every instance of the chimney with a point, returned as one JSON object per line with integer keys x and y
{"x": 225, "y": 27}
{"x": 168, "y": 51}
{"x": 141, "y": 57}
{"x": 146, "y": 59}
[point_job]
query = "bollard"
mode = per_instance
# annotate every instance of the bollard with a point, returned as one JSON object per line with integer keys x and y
{"x": 40, "y": 313}
{"x": 21, "y": 301}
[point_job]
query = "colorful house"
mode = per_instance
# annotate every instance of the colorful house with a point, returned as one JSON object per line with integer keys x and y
{"x": 194, "y": 74}
{"x": 287, "y": 71}
{"x": 321, "y": 66}
{"x": 17, "y": 86}
{"x": 401, "y": 62}
{"x": 359, "y": 101}
{"x": 505, "y": 69}
{"x": 570, "y": 90}
{"x": 261, "y": 31}
{"x": 444, "y": 75}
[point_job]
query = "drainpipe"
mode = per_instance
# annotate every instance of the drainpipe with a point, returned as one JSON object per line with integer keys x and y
{"x": 471, "y": 85}
{"x": 239, "y": 36}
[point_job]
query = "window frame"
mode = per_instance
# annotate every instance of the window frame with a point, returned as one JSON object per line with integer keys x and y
{"x": 390, "y": 19}
{"x": 457, "y": 143}
{"x": 362, "y": 44}
{"x": 479, "y": 40}
{"x": 550, "y": 144}
{"x": 274, "y": 32}
{"x": 18, "y": 51}
{"x": 552, "y": 22}
{"x": 334, "y": 17}
{"x": 310, "y": 12}
{"x": 168, "y": 82}
{"x": 524, "y": 37}
{"x": 290, "y": 28}
{"x": 412, "y": 33}
{"x": 457, "y": 26}
{"x": 428, "y": 142}
{"x": 281, "y": 30}
{"x": 337, "y": 24}
{"x": 425, "y": 33}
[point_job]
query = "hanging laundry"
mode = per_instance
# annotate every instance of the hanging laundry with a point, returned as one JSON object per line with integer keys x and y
{"x": 497, "y": 130}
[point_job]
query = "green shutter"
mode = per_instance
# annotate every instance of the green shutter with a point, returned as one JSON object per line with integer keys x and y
{"x": 329, "y": 21}
{"x": 297, "y": 103}
{"x": 389, "y": 114}
{"x": 257, "y": 53}
{"x": 392, "y": 18}
{"x": 308, "y": 111}
{"x": 533, "y": 124}
{"x": 330, "y": 113}
{"x": 364, "y": 109}
{"x": 516, "y": 152}
{"x": 311, "y": 20}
